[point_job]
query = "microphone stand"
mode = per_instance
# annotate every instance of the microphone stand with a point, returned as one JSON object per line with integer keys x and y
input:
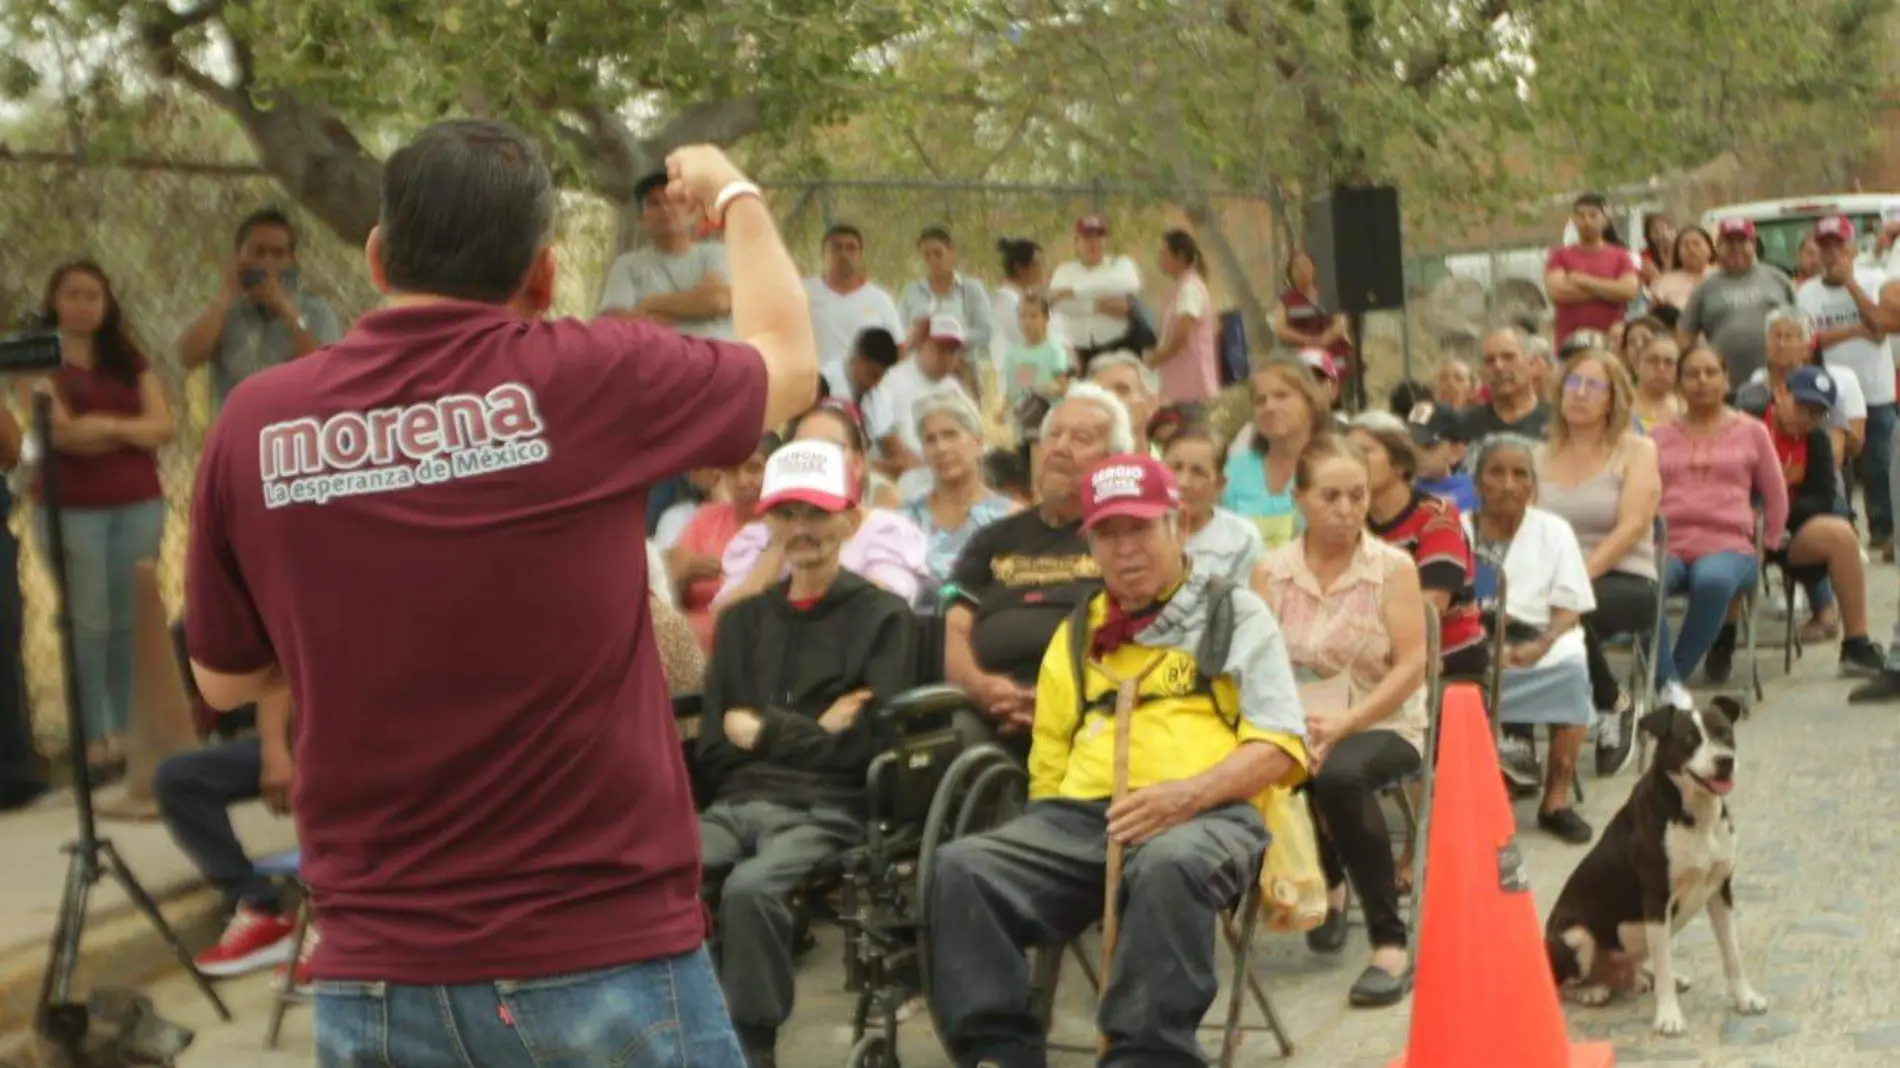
{"x": 92, "y": 857}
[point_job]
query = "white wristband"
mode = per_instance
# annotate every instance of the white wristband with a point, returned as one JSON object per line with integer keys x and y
{"x": 729, "y": 194}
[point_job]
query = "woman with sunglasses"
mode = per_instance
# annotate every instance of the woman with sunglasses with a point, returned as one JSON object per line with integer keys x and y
{"x": 1599, "y": 475}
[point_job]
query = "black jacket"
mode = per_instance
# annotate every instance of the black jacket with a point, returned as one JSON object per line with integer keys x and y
{"x": 788, "y": 665}
{"x": 1818, "y": 492}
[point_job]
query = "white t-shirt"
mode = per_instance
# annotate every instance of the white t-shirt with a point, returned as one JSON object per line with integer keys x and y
{"x": 1849, "y": 402}
{"x": 838, "y": 318}
{"x": 1544, "y": 569}
{"x": 888, "y": 409}
{"x": 1005, "y": 313}
{"x": 1192, "y": 301}
{"x": 1082, "y": 326}
{"x": 647, "y": 272}
{"x": 657, "y": 578}
{"x": 666, "y": 533}
{"x": 1831, "y": 308}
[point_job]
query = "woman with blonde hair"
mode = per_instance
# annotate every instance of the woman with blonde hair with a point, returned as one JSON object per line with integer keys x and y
{"x": 1598, "y": 474}
{"x": 1290, "y": 410}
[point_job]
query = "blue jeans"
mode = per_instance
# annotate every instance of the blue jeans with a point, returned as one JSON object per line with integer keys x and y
{"x": 664, "y": 1013}
{"x": 1876, "y": 480}
{"x": 1712, "y": 582}
{"x": 103, "y": 546}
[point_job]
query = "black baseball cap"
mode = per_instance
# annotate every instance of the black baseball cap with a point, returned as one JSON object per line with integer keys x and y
{"x": 1432, "y": 423}
{"x": 646, "y": 185}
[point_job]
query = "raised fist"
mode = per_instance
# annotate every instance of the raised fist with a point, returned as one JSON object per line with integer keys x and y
{"x": 697, "y": 174}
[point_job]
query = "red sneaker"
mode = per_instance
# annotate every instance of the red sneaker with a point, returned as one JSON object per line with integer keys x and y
{"x": 253, "y": 940}
{"x": 300, "y": 981}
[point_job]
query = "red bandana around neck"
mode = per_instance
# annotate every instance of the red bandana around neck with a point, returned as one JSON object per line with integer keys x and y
{"x": 1120, "y": 627}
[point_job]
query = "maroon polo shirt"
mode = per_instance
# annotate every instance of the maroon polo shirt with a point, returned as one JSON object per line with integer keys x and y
{"x": 125, "y": 475}
{"x": 435, "y": 526}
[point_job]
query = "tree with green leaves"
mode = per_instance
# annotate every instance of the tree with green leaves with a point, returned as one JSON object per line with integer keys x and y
{"x": 321, "y": 88}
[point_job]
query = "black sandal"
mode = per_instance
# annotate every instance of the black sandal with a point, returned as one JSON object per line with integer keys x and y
{"x": 1377, "y": 988}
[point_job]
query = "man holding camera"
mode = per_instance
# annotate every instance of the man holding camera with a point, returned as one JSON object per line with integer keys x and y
{"x": 260, "y": 317}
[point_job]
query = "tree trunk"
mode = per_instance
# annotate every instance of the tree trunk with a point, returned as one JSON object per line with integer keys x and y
{"x": 317, "y": 159}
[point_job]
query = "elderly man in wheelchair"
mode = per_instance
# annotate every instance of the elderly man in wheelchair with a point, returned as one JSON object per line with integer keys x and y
{"x": 1216, "y": 721}
{"x": 796, "y": 674}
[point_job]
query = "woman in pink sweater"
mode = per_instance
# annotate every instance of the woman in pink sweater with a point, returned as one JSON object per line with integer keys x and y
{"x": 1716, "y": 464}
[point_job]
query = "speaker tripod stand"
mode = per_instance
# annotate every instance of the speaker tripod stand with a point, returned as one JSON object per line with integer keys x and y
{"x": 91, "y": 858}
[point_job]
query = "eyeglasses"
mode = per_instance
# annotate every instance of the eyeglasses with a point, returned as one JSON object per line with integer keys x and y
{"x": 1589, "y": 387}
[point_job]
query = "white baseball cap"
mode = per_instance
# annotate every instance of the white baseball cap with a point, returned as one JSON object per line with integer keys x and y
{"x": 810, "y": 472}
{"x": 946, "y": 328}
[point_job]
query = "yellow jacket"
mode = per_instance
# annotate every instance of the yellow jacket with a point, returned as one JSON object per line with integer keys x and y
{"x": 1177, "y": 731}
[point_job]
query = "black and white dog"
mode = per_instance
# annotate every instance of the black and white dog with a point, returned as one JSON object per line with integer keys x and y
{"x": 1668, "y": 854}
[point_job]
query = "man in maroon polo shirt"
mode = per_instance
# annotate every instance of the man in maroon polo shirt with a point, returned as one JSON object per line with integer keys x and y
{"x": 430, "y": 534}
{"x": 1593, "y": 281}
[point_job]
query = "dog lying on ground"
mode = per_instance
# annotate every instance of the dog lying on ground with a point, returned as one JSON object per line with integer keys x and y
{"x": 115, "y": 1028}
{"x": 1668, "y": 854}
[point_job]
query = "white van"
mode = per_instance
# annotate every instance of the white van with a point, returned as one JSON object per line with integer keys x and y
{"x": 1781, "y": 225}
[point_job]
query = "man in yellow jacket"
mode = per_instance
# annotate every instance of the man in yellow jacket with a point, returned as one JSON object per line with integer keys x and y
{"x": 1205, "y": 740}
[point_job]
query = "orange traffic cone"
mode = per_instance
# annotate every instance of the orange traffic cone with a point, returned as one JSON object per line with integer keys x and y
{"x": 1483, "y": 993}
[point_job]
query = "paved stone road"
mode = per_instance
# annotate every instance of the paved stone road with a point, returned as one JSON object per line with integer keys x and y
{"x": 1819, "y": 860}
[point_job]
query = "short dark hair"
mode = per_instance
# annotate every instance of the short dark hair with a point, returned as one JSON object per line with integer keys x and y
{"x": 1591, "y": 200}
{"x": 647, "y": 184}
{"x": 467, "y": 205}
{"x": 1005, "y": 471}
{"x": 936, "y": 233}
{"x": 265, "y": 217}
{"x": 842, "y": 230}
{"x": 878, "y": 346}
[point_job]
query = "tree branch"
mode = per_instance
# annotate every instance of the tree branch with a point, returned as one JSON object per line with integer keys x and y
{"x": 158, "y": 164}
{"x": 719, "y": 122}
{"x": 1423, "y": 70}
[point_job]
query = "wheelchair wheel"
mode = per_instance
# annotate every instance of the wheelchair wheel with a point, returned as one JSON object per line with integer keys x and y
{"x": 873, "y": 1051}
{"x": 994, "y": 798}
{"x": 978, "y": 792}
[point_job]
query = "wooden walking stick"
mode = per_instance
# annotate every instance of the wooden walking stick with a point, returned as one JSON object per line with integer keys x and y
{"x": 1127, "y": 695}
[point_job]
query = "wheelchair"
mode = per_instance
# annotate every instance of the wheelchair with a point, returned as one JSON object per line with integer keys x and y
{"x": 933, "y": 787}
{"x": 936, "y": 783}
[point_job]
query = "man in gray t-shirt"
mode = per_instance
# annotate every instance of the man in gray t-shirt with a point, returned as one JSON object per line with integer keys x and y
{"x": 261, "y": 317}
{"x": 1731, "y": 306}
{"x": 675, "y": 280}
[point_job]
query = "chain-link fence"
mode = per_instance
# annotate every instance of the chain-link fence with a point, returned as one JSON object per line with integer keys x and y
{"x": 163, "y": 237}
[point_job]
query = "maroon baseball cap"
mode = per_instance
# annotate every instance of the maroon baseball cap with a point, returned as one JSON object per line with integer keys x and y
{"x": 1837, "y": 227}
{"x": 1736, "y": 226}
{"x": 1137, "y": 487}
{"x": 1321, "y": 361}
{"x": 1091, "y": 224}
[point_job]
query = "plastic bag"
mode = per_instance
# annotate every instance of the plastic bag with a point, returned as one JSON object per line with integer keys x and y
{"x": 1292, "y": 886}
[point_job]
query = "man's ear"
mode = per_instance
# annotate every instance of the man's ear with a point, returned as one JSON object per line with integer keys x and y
{"x": 373, "y": 257}
{"x": 537, "y": 289}
{"x": 1657, "y": 724}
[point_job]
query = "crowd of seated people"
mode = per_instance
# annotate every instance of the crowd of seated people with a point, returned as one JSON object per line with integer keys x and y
{"x": 802, "y": 576}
